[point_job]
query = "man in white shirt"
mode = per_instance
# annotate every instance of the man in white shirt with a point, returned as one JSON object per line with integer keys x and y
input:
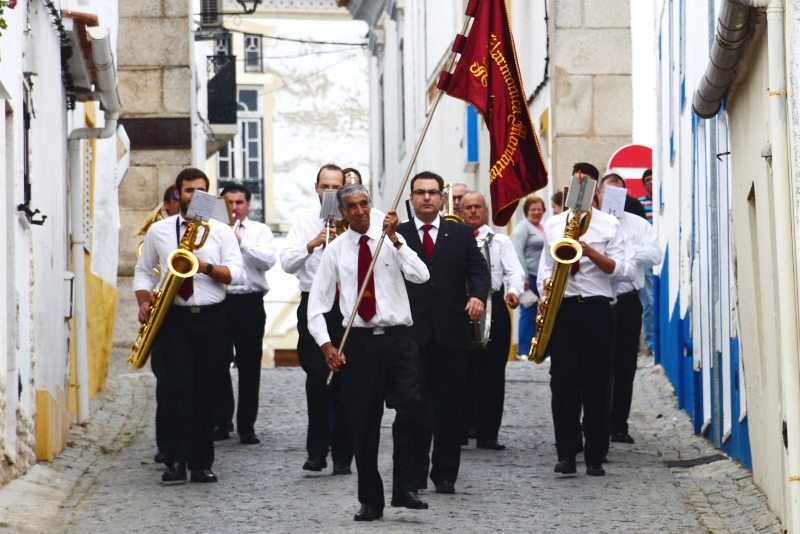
{"x": 301, "y": 256}
{"x": 192, "y": 338}
{"x": 490, "y": 365}
{"x": 380, "y": 354}
{"x": 244, "y": 311}
{"x": 582, "y": 340}
{"x": 643, "y": 242}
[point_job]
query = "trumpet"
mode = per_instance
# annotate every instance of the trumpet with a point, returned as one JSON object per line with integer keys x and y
{"x": 565, "y": 251}
{"x": 450, "y": 215}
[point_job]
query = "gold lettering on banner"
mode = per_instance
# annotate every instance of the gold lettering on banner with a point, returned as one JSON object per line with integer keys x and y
{"x": 480, "y": 71}
{"x": 518, "y": 129}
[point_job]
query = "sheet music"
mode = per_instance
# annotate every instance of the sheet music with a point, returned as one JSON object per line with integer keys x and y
{"x": 579, "y": 196}
{"x": 222, "y": 211}
{"x": 614, "y": 200}
{"x": 201, "y": 207}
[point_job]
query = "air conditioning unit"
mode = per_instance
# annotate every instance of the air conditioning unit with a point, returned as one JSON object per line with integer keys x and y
{"x": 211, "y": 13}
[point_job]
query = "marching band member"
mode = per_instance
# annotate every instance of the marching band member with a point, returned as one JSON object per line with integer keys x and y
{"x": 192, "y": 338}
{"x": 301, "y": 257}
{"x": 491, "y": 368}
{"x": 244, "y": 310}
{"x": 641, "y": 237}
{"x": 582, "y": 340}
{"x": 380, "y": 354}
{"x": 442, "y": 309}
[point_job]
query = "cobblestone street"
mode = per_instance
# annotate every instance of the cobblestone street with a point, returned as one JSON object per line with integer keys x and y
{"x": 106, "y": 481}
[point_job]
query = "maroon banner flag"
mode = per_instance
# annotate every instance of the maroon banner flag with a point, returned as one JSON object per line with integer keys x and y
{"x": 487, "y": 76}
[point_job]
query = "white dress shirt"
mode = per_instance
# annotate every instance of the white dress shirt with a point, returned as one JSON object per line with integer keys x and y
{"x": 220, "y": 249}
{"x": 295, "y": 258}
{"x": 434, "y": 232}
{"x": 506, "y": 267}
{"x": 642, "y": 242}
{"x": 339, "y": 265}
{"x": 259, "y": 254}
{"x": 604, "y": 235}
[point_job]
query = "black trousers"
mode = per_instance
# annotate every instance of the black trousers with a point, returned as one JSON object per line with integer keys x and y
{"x": 189, "y": 347}
{"x": 492, "y": 372}
{"x": 628, "y": 314}
{"x": 382, "y": 368}
{"x": 442, "y": 372}
{"x": 321, "y": 398}
{"x": 581, "y": 360}
{"x": 246, "y": 319}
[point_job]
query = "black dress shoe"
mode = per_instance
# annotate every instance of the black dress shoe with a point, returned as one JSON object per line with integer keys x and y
{"x": 249, "y": 438}
{"x": 445, "y": 487}
{"x": 565, "y": 466}
{"x": 595, "y": 470}
{"x": 341, "y": 469}
{"x": 621, "y": 437}
{"x": 368, "y": 512}
{"x": 175, "y": 474}
{"x": 315, "y": 464}
{"x": 203, "y": 475}
{"x": 491, "y": 445}
{"x": 160, "y": 458}
{"x": 220, "y": 434}
{"x": 409, "y": 500}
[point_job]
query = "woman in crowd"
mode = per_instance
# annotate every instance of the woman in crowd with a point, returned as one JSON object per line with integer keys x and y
{"x": 528, "y": 239}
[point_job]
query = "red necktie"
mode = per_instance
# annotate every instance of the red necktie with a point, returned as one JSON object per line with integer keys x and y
{"x": 575, "y": 267}
{"x": 187, "y": 287}
{"x": 427, "y": 241}
{"x": 475, "y": 233}
{"x": 367, "y": 307}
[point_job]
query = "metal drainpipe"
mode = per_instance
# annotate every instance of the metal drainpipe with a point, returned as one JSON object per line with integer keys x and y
{"x": 109, "y": 99}
{"x": 785, "y": 244}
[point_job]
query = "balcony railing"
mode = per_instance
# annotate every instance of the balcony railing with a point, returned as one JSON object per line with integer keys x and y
{"x": 222, "y": 89}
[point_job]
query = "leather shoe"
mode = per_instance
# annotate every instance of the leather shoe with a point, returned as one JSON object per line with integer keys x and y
{"x": 368, "y": 512}
{"x": 491, "y": 445}
{"x": 220, "y": 434}
{"x": 203, "y": 475}
{"x": 409, "y": 500}
{"x": 595, "y": 470}
{"x": 565, "y": 466}
{"x": 341, "y": 469}
{"x": 445, "y": 487}
{"x": 315, "y": 464}
{"x": 250, "y": 438}
{"x": 175, "y": 474}
{"x": 160, "y": 458}
{"x": 621, "y": 437}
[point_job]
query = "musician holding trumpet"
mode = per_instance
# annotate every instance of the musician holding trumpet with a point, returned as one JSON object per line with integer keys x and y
{"x": 380, "y": 355}
{"x": 191, "y": 339}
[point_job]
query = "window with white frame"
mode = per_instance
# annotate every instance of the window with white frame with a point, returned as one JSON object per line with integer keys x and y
{"x": 252, "y": 53}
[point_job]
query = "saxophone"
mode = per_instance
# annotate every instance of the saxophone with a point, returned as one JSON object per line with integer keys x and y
{"x": 565, "y": 251}
{"x": 181, "y": 264}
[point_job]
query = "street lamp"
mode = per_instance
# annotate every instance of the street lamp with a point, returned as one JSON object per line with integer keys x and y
{"x": 249, "y": 6}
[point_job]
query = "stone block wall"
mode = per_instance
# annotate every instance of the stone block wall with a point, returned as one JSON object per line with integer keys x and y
{"x": 592, "y": 102}
{"x": 155, "y": 81}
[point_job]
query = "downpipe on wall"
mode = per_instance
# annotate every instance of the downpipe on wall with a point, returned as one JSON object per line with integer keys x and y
{"x": 785, "y": 244}
{"x": 106, "y": 93}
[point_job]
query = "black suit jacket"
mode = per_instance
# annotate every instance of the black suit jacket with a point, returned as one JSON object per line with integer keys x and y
{"x": 438, "y": 304}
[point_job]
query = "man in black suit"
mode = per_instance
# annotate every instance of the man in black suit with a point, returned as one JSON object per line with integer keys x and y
{"x": 442, "y": 308}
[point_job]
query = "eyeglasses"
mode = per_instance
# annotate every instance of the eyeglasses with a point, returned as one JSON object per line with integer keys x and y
{"x": 423, "y": 192}
{"x": 175, "y": 196}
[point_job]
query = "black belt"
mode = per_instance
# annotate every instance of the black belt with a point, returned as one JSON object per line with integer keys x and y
{"x": 196, "y": 309}
{"x": 380, "y": 331}
{"x": 245, "y": 295}
{"x": 597, "y": 298}
{"x": 628, "y": 295}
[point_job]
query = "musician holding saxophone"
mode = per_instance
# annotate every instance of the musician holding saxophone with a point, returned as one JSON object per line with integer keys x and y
{"x": 582, "y": 339}
{"x": 191, "y": 339}
{"x": 505, "y": 269}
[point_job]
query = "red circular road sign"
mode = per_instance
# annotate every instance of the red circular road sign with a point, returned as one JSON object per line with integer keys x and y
{"x": 630, "y": 162}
